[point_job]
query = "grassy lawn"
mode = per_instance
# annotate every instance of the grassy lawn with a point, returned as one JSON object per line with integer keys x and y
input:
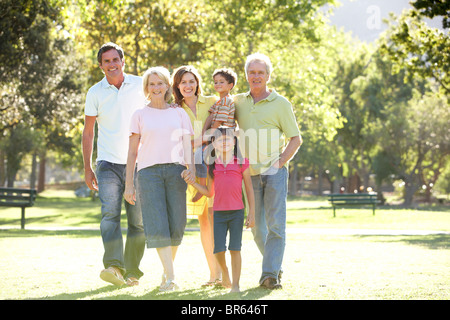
{"x": 323, "y": 260}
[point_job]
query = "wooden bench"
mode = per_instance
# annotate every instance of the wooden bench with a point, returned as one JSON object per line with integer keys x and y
{"x": 356, "y": 199}
{"x": 14, "y": 197}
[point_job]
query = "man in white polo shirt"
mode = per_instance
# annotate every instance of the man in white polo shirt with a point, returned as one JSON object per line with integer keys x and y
{"x": 111, "y": 102}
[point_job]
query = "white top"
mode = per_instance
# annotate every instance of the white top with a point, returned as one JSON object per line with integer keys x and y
{"x": 161, "y": 132}
{"x": 113, "y": 109}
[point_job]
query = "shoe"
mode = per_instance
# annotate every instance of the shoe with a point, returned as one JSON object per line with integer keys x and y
{"x": 112, "y": 275}
{"x": 170, "y": 285}
{"x": 271, "y": 284}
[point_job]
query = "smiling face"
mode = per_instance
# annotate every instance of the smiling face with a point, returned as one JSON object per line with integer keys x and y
{"x": 156, "y": 87}
{"x": 188, "y": 85}
{"x": 257, "y": 75}
{"x": 221, "y": 85}
{"x": 224, "y": 143}
{"x": 112, "y": 65}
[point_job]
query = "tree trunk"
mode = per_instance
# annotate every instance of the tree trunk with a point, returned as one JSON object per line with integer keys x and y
{"x": 41, "y": 179}
{"x": 293, "y": 179}
{"x": 410, "y": 190}
{"x": 33, "y": 171}
{"x": 2, "y": 169}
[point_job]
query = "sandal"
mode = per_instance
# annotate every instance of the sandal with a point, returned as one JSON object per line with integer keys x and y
{"x": 112, "y": 275}
{"x": 211, "y": 283}
{"x": 132, "y": 281}
{"x": 163, "y": 280}
{"x": 170, "y": 285}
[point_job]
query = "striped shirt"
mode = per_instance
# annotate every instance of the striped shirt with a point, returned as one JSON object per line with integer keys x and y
{"x": 223, "y": 111}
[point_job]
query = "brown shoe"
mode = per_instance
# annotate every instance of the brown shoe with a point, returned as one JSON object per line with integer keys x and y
{"x": 271, "y": 284}
{"x": 112, "y": 275}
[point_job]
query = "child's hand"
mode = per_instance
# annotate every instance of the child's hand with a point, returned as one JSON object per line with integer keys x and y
{"x": 250, "y": 222}
{"x": 188, "y": 176}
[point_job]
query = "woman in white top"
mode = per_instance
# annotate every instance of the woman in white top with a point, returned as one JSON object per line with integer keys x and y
{"x": 160, "y": 141}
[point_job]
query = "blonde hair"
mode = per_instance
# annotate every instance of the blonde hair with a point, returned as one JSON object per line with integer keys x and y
{"x": 163, "y": 74}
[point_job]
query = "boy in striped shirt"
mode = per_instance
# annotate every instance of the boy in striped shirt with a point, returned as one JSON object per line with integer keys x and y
{"x": 221, "y": 115}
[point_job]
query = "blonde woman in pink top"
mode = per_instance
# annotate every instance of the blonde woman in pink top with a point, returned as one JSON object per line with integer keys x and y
{"x": 160, "y": 141}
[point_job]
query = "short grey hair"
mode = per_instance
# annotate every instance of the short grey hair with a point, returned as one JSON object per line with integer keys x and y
{"x": 261, "y": 58}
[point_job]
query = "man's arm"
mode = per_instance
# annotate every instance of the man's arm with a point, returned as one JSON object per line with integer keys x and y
{"x": 291, "y": 149}
{"x": 87, "y": 147}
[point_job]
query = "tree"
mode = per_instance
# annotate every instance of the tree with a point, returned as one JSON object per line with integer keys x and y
{"x": 434, "y": 8}
{"x": 44, "y": 90}
{"x": 420, "y": 50}
{"x": 415, "y": 135}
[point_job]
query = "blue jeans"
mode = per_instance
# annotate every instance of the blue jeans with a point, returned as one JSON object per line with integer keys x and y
{"x": 162, "y": 192}
{"x": 111, "y": 185}
{"x": 224, "y": 221}
{"x": 270, "y": 220}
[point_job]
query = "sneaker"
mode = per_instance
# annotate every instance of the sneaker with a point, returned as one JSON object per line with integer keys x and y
{"x": 112, "y": 275}
{"x": 271, "y": 284}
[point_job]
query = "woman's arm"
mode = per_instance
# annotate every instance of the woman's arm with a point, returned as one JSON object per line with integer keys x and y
{"x": 130, "y": 191}
{"x": 250, "y": 223}
{"x": 188, "y": 153}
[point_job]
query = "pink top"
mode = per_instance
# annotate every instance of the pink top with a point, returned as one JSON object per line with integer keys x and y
{"x": 228, "y": 185}
{"x": 161, "y": 133}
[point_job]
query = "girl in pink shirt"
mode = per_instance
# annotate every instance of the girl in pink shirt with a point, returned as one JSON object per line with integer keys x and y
{"x": 226, "y": 171}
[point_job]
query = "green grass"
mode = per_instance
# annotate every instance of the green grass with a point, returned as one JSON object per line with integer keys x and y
{"x": 320, "y": 262}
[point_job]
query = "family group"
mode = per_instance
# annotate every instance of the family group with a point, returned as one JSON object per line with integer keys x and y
{"x": 154, "y": 153}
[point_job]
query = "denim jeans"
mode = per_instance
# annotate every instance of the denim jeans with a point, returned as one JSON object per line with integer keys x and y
{"x": 270, "y": 219}
{"x": 163, "y": 199}
{"x": 232, "y": 222}
{"x": 111, "y": 185}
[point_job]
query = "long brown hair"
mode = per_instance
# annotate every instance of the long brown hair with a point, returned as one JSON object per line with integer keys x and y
{"x": 176, "y": 80}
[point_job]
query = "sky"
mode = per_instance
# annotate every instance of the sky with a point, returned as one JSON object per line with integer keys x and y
{"x": 364, "y": 18}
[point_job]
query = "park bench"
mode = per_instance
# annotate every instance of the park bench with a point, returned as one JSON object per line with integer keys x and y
{"x": 352, "y": 199}
{"x": 13, "y": 197}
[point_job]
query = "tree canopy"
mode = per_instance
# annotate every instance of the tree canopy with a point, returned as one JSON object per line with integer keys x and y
{"x": 363, "y": 110}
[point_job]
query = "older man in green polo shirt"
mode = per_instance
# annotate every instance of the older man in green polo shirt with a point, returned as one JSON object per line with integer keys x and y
{"x": 270, "y": 137}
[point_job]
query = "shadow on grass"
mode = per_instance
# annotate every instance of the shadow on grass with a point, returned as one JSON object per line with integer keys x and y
{"x": 432, "y": 241}
{"x": 178, "y": 295}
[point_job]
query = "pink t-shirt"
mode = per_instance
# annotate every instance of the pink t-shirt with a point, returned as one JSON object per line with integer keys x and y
{"x": 228, "y": 185}
{"x": 161, "y": 133}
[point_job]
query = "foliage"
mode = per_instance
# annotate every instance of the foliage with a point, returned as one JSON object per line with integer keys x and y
{"x": 433, "y": 8}
{"x": 418, "y": 49}
{"x": 357, "y": 106}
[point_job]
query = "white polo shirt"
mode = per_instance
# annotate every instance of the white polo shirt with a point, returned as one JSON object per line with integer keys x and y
{"x": 113, "y": 109}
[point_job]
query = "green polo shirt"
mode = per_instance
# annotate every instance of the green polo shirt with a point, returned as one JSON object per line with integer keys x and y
{"x": 266, "y": 127}
{"x": 202, "y": 112}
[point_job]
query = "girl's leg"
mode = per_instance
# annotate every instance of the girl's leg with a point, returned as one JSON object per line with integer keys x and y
{"x": 236, "y": 263}
{"x": 220, "y": 257}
